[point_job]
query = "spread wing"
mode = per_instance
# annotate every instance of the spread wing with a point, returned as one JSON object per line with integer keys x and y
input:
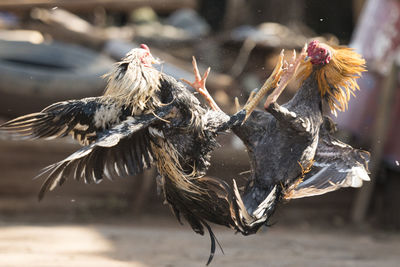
{"x": 336, "y": 165}
{"x": 83, "y": 119}
{"x": 123, "y": 150}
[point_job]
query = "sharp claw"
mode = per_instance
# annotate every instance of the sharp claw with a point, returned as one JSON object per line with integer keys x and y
{"x": 303, "y": 55}
{"x": 237, "y": 105}
{"x": 195, "y": 69}
{"x": 285, "y": 76}
{"x": 252, "y": 94}
{"x": 200, "y": 85}
{"x": 194, "y": 63}
{"x": 281, "y": 57}
{"x": 278, "y": 67}
{"x": 270, "y": 83}
{"x": 206, "y": 74}
{"x": 303, "y": 51}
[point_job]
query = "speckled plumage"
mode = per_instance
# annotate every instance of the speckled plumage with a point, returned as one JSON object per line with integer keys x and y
{"x": 145, "y": 118}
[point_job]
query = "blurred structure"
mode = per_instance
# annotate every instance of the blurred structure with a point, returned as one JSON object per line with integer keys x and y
{"x": 374, "y": 116}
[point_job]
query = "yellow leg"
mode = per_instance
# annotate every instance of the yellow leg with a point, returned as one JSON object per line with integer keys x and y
{"x": 287, "y": 76}
{"x": 270, "y": 83}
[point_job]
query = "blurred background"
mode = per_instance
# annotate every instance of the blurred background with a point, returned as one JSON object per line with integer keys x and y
{"x": 53, "y": 50}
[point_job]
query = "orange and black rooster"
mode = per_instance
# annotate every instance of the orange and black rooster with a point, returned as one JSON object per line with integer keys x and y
{"x": 145, "y": 117}
{"x": 291, "y": 148}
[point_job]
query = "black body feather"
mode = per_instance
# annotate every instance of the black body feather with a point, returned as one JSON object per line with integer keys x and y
{"x": 288, "y": 146}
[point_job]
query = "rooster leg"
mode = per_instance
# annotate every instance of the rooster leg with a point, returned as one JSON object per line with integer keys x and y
{"x": 237, "y": 105}
{"x": 270, "y": 83}
{"x": 289, "y": 73}
{"x": 282, "y": 114}
{"x": 200, "y": 85}
{"x": 241, "y": 116}
{"x": 251, "y": 96}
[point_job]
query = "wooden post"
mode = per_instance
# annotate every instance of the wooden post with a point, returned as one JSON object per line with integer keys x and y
{"x": 381, "y": 128}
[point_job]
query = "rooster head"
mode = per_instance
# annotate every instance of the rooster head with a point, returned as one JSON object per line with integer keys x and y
{"x": 138, "y": 57}
{"x": 134, "y": 80}
{"x": 319, "y": 54}
{"x": 336, "y": 69}
{"x": 145, "y": 57}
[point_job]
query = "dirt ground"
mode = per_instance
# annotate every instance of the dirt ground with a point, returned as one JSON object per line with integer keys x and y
{"x": 162, "y": 242}
{"x": 92, "y": 225}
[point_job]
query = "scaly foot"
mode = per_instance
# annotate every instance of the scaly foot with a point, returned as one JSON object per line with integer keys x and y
{"x": 270, "y": 83}
{"x": 288, "y": 74}
{"x": 200, "y": 85}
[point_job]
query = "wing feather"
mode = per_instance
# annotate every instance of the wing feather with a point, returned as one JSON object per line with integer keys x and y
{"x": 83, "y": 119}
{"x": 121, "y": 151}
{"x": 336, "y": 165}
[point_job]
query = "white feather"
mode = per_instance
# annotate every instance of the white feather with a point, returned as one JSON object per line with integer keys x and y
{"x": 106, "y": 115}
{"x": 259, "y": 212}
{"x": 155, "y": 132}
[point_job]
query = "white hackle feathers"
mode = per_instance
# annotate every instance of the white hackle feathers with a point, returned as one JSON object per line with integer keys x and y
{"x": 134, "y": 82}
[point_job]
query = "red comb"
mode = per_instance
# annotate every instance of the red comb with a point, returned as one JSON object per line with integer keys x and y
{"x": 313, "y": 44}
{"x": 145, "y": 47}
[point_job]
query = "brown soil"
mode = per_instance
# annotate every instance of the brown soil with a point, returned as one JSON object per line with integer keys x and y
{"x": 154, "y": 241}
{"x": 309, "y": 232}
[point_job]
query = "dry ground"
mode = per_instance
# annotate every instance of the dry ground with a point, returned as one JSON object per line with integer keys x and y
{"x": 162, "y": 242}
{"x": 112, "y": 238}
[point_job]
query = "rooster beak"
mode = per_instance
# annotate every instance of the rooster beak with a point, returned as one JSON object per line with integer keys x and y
{"x": 155, "y": 61}
{"x": 307, "y": 58}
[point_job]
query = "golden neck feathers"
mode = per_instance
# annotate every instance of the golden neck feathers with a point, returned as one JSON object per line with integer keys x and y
{"x": 336, "y": 79}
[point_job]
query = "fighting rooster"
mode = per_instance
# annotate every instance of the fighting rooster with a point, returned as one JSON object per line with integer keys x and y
{"x": 291, "y": 148}
{"x": 144, "y": 117}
